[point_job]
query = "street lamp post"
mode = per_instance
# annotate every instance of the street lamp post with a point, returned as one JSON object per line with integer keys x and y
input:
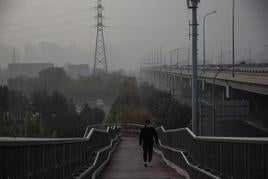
{"x": 170, "y": 57}
{"x": 200, "y": 105}
{"x": 249, "y": 54}
{"x": 189, "y": 51}
{"x": 178, "y": 53}
{"x": 233, "y": 39}
{"x": 160, "y": 51}
{"x": 212, "y": 53}
{"x": 193, "y": 4}
{"x": 213, "y": 94}
{"x": 177, "y": 58}
{"x": 221, "y": 52}
{"x": 204, "y": 38}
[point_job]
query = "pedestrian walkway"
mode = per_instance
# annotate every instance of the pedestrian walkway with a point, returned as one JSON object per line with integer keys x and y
{"x": 127, "y": 163}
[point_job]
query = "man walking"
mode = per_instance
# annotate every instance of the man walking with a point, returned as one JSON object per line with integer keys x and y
{"x": 148, "y": 136}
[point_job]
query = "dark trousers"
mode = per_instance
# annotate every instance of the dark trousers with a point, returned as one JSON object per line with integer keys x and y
{"x": 147, "y": 153}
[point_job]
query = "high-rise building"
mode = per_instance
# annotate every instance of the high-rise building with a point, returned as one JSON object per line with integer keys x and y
{"x": 26, "y": 69}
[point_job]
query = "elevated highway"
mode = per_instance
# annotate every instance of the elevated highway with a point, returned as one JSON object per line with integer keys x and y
{"x": 255, "y": 81}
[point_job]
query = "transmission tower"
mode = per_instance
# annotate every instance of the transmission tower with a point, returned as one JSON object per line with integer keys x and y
{"x": 14, "y": 59}
{"x": 100, "y": 53}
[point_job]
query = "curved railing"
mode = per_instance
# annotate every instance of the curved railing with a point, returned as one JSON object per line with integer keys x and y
{"x": 209, "y": 157}
{"x": 102, "y": 155}
{"x": 215, "y": 157}
{"x": 125, "y": 129}
{"x": 192, "y": 156}
{"x": 55, "y": 158}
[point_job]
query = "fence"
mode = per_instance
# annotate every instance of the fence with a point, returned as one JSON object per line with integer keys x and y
{"x": 216, "y": 157}
{"x": 26, "y": 158}
{"x": 210, "y": 157}
{"x": 196, "y": 157}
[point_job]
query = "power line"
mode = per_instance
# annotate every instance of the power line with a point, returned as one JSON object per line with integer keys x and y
{"x": 147, "y": 28}
{"x": 61, "y": 32}
{"x": 44, "y": 26}
{"x": 44, "y": 18}
{"x": 58, "y": 2}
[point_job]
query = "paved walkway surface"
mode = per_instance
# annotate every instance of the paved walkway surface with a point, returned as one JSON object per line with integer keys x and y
{"x": 127, "y": 163}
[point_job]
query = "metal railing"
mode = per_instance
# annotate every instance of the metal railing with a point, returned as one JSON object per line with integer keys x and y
{"x": 26, "y": 158}
{"x": 194, "y": 157}
{"x": 215, "y": 157}
{"x": 209, "y": 157}
{"x": 102, "y": 156}
{"x": 125, "y": 129}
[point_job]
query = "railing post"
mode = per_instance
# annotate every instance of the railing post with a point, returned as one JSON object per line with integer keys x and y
{"x": 64, "y": 161}
{"x": 43, "y": 162}
{"x": 28, "y": 161}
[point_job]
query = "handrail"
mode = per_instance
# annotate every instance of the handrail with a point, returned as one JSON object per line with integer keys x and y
{"x": 101, "y": 158}
{"x": 106, "y": 125}
{"x": 200, "y": 157}
{"x": 262, "y": 140}
{"x": 54, "y": 158}
{"x": 187, "y": 162}
{"x": 175, "y": 156}
{"x": 95, "y": 173}
{"x": 228, "y": 157}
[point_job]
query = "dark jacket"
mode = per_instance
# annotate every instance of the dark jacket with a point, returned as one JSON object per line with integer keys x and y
{"x": 147, "y": 136}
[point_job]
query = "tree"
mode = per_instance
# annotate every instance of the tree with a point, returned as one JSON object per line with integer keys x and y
{"x": 135, "y": 105}
{"x": 129, "y": 115}
{"x": 54, "y": 78}
{"x": 4, "y": 98}
{"x": 56, "y": 112}
{"x": 167, "y": 110}
{"x": 126, "y": 103}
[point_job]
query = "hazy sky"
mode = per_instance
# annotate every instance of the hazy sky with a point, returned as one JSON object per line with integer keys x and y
{"x": 134, "y": 27}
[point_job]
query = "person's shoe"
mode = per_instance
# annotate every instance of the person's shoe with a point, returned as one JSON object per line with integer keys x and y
{"x": 149, "y": 164}
{"x": 145, "y": 164}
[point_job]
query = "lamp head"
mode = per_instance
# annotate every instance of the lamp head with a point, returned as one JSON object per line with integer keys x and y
{"x": 242, "y": 63}
{"x": 192, "y": 3}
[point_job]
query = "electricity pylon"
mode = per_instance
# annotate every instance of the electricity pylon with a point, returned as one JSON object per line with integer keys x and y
{"x": 100, "y": 53}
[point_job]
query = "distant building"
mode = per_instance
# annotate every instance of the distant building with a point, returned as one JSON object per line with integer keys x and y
{"x": 3, "y": 80}
{"x": 30, "y": 52}
{"x": 76, "y": 71}
{"x": 27, "y": 69}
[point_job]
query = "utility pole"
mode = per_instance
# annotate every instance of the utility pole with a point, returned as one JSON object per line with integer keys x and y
{"x": 178, "y": 58}
{"x": 100, "y": 53}
{"x": 249, "y": 55}
{"x": 170, "y": 57}
{"x": 193, "y": 4}
{"x": 220, "y": 55}
{"x": 204, "y": 39}
{"x": 233, "y": 45}
{"x": 189, "y": 53}
{"x": 14, "y": 59}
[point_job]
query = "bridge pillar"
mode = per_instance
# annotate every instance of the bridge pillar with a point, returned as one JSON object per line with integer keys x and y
{"x": 155, "y": 79}
{"x": 190, "y": 82}
{"x": 227, "y": 92}
{"x": 158, "y": 80}
{"x": 203, "y": 85}
{"x": 174, "y": 82}
{"x": 162, "y": 81}
{"x": 170, "y": 79}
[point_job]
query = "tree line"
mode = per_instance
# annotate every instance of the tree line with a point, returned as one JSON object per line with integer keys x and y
{"x": 135, "y": 104}
{"x": 44, "y": 114}
{"x": 89, "y": 88}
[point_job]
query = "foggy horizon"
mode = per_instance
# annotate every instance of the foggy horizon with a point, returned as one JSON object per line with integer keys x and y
{"x": 133, "y": 29}
{"x": 170, "y": 89}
